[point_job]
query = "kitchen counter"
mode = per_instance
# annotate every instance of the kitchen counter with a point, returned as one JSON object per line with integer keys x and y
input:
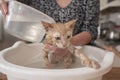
{"x": 114, "y": 74}
{"x": 3, "y": 77}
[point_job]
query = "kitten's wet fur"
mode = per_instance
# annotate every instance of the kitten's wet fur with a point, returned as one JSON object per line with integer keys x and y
{"x": 60, "y": 34}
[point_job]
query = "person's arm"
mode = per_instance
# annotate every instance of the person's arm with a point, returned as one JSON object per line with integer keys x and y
{"x": 81, "y": 38}
{"x": 89, "y": 29}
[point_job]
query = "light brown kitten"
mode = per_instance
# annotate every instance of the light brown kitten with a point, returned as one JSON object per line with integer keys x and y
{"x": 60, "y": 34}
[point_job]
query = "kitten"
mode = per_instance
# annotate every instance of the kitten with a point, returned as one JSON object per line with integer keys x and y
{"x": 60, "y": 34}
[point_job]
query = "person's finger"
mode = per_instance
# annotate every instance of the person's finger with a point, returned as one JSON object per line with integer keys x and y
{"x": 3, "y": 14}
{"x": 4, "y": 7}
{"x": 57, "y": 51}
{"x": 61, "y": 52}
{"x": 50, "y": 47}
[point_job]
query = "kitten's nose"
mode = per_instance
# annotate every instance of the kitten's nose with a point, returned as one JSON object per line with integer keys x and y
{"x": 64, "y": 44}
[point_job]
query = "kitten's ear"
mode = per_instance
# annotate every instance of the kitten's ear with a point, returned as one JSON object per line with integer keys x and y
{"x": 70, "y": 24}
{"x": 46, "y": 25}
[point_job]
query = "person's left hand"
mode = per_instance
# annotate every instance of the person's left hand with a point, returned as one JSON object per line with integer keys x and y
{"x": 4, "y": 8}
{"x": 56, "y": 50}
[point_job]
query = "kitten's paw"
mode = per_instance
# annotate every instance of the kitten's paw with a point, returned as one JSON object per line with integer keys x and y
{"x": 68, "y": 65}
{"x": 50, "y": 66}
{"x": 91, "y": 63}
{"x": 95, "y": 64}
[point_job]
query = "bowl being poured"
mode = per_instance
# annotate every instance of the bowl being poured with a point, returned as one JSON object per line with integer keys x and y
{"x": 24, "y": 22}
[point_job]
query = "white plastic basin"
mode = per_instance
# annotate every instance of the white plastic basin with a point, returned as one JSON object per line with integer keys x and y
{"x": 23, "y": 62}
{"x": 116, "y": 62}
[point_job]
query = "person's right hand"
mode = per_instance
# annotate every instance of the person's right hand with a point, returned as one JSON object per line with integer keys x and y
{"x": 56, "y": 50}
{"x": 4, "y": 7}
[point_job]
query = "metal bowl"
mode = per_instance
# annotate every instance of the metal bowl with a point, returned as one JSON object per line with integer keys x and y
{"x": 113, "y": 35}
{"x": 110, "y": 34}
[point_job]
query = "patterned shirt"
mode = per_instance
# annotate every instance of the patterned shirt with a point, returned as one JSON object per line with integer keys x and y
{"x": 85, "y": 11}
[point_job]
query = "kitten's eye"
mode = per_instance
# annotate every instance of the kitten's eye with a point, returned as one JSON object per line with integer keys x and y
{"x": 68, "y": 37}
{"x": 57, "y": 38}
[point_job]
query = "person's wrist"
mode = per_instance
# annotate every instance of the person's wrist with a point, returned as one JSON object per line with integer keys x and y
{"x": 50, "y": 47}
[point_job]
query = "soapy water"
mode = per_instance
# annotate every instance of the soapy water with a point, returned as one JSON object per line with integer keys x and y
{"x": 37, "y": 61}
{"x": 40, "y": 64}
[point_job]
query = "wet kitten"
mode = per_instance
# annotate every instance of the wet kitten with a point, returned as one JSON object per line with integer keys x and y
{"x": 60, "y": 34}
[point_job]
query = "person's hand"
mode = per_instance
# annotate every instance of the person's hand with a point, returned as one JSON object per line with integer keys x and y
{"x": 56, "y": 50}
{"x": 4, "y": 7}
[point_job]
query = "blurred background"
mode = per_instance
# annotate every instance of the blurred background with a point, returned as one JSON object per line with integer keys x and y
{"x": 109, "y": 22}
